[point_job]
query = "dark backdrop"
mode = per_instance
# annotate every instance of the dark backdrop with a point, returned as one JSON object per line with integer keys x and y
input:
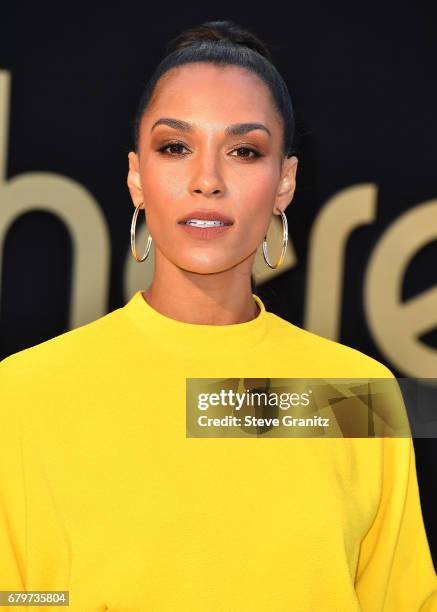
{"x": 362, "y": 79}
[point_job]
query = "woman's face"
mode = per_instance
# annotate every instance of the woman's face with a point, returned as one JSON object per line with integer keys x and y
{"x": 197, "y": 164}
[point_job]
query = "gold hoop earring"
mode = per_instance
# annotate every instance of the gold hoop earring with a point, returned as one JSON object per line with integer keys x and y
{"x": 132, "y": 236}
{"x": 284, "y": 245}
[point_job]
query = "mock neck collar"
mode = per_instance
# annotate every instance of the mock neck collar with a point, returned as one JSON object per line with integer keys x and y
{"x": 172, "y": 332}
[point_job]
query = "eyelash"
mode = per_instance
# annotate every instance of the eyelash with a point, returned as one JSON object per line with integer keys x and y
{"x": 178, "y": 144}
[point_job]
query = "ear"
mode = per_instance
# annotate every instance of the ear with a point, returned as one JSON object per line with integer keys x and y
{"x": 287, "y": 184}
{"x": 133, "y": 179}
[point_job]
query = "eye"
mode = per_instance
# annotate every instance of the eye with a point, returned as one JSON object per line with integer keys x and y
{"x": 175, "y": 151}
{"x": 248, "y": 150}
{"x": 173, "y": 146}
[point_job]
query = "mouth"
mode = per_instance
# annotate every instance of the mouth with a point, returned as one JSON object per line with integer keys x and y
{"x": 204, "y": 229}
{"x": 204, "y": 223}
{"x": 206, "y": 218}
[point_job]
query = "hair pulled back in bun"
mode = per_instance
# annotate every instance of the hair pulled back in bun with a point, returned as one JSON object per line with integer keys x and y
{"x": 224, "y": 43}
{"x": 219, "y": 31}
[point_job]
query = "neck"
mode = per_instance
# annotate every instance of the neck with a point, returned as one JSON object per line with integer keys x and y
{"x": 203, "y": 308}
{"x": 219, "y": 306}
{"x": 217, "y": 298}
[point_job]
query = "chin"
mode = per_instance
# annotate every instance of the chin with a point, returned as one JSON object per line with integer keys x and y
{"x": 207, "y": 265}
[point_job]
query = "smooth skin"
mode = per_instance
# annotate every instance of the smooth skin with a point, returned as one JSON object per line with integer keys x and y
{"x": 177, "y": 171}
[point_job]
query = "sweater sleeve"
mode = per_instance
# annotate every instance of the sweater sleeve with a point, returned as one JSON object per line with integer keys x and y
{"x": 12, "y": 492}
{"x": 35, "y": 551}
{"x": 395, "y": 570}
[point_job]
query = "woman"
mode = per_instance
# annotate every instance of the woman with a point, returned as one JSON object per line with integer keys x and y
{"x": 103, "y": 492}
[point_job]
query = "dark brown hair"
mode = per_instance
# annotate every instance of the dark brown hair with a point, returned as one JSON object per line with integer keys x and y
{"x": 224, "y": 43}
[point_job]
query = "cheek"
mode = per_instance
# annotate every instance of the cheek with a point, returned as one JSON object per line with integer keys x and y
{"x": 162, "y": 181}
{"x": 260, "y": 189}
{"x": 256, "y": 200}
{"x": 164, "y": 196}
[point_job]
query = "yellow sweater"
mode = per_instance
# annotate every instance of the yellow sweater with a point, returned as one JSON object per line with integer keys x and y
{"x": 103, "y": 494}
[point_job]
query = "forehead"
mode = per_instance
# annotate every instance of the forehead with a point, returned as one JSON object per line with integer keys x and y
{"x": 207, "y": 92}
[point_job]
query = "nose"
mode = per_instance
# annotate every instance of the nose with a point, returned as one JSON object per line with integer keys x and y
{"x": 207, "y": 179}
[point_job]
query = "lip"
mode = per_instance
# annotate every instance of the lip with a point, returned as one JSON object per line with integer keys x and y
{"x": 206, "y": 233}
{"x": 207, "y": 215}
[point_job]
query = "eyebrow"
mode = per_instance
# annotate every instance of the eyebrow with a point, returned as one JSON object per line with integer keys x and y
{"x": 236, "y": 129}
